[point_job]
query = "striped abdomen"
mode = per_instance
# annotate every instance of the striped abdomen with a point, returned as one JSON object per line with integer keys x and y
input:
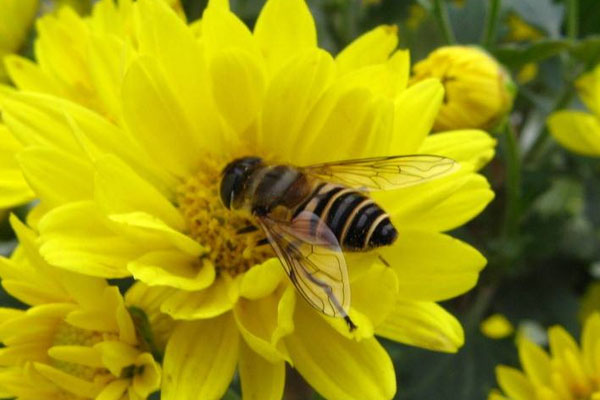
{"x": 356, "y": 220}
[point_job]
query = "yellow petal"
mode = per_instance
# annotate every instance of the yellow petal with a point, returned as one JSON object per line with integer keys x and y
{"x": 83, "y": 355}
{"x": 109, "y": 58}
{"x": 261, "y": 280}
{"x": 496, "y": 326}
{"x": 590, "y": 343}
{"x": 415, "y": 112}
{"x": 432, "y": 266}
{"x": 208, "y": 303}
{"x": 167, "y": 39}
{"x": 118, "y": 189}
{"x": 588, "y": 88}
{"x": 261, "y": 380}
{"x": 342, "y": 113}
{"x": 116, "y": 355}
{"x": 372, "y": 47}
{"x": 77, "y": 237}
{"x": 305, "y": 76}
{"x": 561, "y": 342}
{"x": 265, "y": 321}
{"x": 535, "y": 362}
{"x": 174, "y": 269}
{"x": 471, "y": 146}
{"x": 154, "y": 114}
{"x": 32, "y": 121}
{"x": 50, "y": 172}
{"x": 148, "y": 381}
{"x": 423, "y": 324}
{"x": 67, "y": 382}
{"x": 200, "y": 359}
{"x": 29, "y": 76}
{"x": 222, "y": 29}
{"x": 145, "y": 227}
{"x": 284, "y": 28}
{"x": 337, "y": 367}
{"x": 238, "y": 85}
{"x": 374, "y": 293}
{"x": 514, "y": 383}
{"x": 386, "y": 79}
{"x": 577, "y": 131}
{"x": 114, "y": 390}
{"x": 439, "y": 206}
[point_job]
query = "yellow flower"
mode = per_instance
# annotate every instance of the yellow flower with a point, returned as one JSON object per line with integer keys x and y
{"x": 569, "y": 371}
{"x": 80, "y": 59}
{"x": 478, "y": 91}
{"x": 76, "y": 341}
{"x": 16, "y": 17}
{"x": 579, "y": 131}
{"x": 496, "y": 327}
{"x": 138, "y": 195}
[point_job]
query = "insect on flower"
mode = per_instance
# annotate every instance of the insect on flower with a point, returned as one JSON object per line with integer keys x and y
{"x": 310, "y": 215}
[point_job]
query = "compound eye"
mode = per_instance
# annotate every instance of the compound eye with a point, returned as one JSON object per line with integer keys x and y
{"x": 227, "y": 188}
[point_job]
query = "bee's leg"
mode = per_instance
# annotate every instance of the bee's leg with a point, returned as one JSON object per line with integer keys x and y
{"x": 351, "y": 324}
{"x": 262, "y": 242}
{"x": 246, "y": 229}
{"x": 383, "y": 260}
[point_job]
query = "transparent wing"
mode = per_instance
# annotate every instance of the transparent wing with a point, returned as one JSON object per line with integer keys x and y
{"x": 312, "y": 257}
{"x": 384, "y": 173}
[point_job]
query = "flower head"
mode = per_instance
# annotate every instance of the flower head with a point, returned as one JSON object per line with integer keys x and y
{"x": 16, "y": 17}
{"x": 569, "y": 371}
{"x": 478, "y": 91}
{"x": 137, "y": 194}
{"x": 78, "y": 340}
{"x": 579, "y": 131}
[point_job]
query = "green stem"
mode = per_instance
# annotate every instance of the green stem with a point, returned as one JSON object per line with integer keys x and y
{"x": 491, "y": 23}
{"x": 441, "y": 14}
{"x": 572, "y": 19}
{"x": 513, "y": 183}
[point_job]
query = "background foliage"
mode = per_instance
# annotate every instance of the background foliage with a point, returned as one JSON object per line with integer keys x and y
{"x": 541, "y": 234}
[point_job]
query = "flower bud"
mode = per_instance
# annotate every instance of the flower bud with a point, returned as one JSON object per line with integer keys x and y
{"x": 478, "y": 91}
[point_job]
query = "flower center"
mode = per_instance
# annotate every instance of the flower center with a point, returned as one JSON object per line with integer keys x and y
{"x": 216, "y": 228}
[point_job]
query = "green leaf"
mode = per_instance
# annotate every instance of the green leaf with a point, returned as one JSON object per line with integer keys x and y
{"x": 516, "y": 55}
{"x": 587, "y": 50}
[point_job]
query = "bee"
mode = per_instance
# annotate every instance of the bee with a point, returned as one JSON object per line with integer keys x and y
{"x": 311, "y": 215}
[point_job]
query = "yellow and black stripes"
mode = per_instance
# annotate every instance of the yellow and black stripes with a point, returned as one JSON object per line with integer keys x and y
{"x": 357, "y": 222}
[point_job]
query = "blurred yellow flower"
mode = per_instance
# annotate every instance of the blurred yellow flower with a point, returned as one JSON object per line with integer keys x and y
{"x": 478, "y": 91}
{"x": 590, "y": 301}
{"x": 527, "y": 73}
{"x": 76, "y": 341}
{"x": 16, "y": 17}
{"x": 416, "y": 15}
{"x": 519, "y": 30}
{"x": 579, "y": 131}
{"x": 569, "y": 371}
{"x": 135, "y": 193}
{"x": 496, "y": 326}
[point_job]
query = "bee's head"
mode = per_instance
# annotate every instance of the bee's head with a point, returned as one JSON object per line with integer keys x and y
{"x": 234, "y": 176}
